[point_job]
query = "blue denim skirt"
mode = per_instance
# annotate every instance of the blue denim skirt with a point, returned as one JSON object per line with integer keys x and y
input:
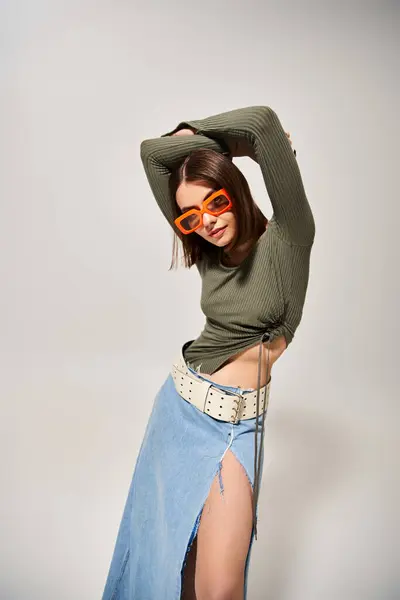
{"x": 181, "y": 453}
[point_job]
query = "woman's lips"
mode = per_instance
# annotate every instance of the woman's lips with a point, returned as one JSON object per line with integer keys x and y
{"x": 218, "y": 231}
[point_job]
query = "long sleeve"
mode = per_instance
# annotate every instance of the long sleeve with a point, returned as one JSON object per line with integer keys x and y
{"x": 256, "y": 131}
{"x": 160, "y": 156}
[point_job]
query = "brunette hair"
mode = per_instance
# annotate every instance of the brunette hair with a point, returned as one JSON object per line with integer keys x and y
{"x": 215, "y": 170}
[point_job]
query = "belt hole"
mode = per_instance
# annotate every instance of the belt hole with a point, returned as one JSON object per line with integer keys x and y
{"x": 220, "y": 406}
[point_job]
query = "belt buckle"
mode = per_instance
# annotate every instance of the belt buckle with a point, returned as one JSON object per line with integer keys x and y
{"x": 234, "y": 418}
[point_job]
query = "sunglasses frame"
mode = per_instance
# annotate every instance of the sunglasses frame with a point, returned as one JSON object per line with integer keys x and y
{"x": 200, "y": 212}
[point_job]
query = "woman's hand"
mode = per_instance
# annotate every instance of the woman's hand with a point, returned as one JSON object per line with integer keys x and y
{"x": 288, "y": 134}
{"x": 184, "y": 132}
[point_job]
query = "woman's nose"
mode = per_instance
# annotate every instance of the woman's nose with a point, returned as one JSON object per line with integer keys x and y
{"x": 208, "y": 219}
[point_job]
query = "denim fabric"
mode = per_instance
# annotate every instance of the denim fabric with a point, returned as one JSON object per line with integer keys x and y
{"x": 181, "y": 453}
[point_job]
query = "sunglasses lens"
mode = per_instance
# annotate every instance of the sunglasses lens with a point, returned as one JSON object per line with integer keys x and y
{"x": 218, "y": 204}
{"x": 190, "y": 222}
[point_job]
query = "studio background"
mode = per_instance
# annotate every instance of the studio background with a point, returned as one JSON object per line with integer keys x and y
{"x": 91, "y": 318}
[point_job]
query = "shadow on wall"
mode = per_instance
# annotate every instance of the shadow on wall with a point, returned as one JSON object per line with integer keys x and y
{"x": 314, "y": 458}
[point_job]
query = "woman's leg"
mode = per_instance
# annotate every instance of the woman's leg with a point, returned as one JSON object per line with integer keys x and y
{"x": 224, "y": 535}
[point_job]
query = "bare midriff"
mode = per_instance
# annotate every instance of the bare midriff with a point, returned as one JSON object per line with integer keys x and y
{"x": 241, "y": 370}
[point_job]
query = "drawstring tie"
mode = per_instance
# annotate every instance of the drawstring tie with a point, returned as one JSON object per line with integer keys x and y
{"x": 257, "y": 458}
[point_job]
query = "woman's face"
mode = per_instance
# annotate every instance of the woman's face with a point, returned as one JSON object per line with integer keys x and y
{"x": 192, "y": 195}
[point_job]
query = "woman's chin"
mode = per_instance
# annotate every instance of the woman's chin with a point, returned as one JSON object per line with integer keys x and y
{"x": 222, "y": 243}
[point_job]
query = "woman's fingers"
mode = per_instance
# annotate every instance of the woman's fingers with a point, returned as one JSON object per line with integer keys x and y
{"x": 288, "y": 134}
{"x": 184, "y": 132}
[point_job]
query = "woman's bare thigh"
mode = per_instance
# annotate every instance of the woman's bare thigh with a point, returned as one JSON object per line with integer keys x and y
{"x": 222, "y": 542}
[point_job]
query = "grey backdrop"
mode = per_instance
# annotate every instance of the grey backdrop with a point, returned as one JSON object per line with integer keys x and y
{"x": 91, "y": 319}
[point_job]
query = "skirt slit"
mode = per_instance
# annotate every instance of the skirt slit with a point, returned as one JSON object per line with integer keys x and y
{"x": 181, "y": 453}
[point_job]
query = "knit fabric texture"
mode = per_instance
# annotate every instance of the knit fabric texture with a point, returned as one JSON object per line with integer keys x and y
{"x": 266, "y": 292}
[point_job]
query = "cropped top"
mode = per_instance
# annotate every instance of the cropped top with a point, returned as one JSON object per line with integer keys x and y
{"x": 266, "y": 292}
{"x": 262, "y": 297}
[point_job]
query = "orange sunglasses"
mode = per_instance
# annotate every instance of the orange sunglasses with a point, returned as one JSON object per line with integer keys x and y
{"x": 216, "y": 204}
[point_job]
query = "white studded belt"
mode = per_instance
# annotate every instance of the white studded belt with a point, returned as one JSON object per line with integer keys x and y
{"x": 210, "y": 399}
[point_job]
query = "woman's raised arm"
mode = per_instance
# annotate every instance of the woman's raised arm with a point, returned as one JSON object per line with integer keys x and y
{"x": 256, "y": 131}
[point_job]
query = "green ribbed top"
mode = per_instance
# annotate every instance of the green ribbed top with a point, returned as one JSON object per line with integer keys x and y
{"x": 266, "y": 292}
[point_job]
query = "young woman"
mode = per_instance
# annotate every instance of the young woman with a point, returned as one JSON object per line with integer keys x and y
{"x": 191, "y": 513}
